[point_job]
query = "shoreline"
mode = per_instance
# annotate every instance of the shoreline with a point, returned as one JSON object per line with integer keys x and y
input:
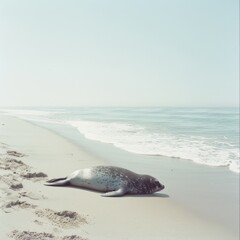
{"x": 129, "y": 217}
{"x": 201, "y": 188}
{"x": 201, "y": 147}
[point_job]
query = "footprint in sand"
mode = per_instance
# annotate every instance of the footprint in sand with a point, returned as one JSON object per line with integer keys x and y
{"x": 24, "y": 235}
{"x": 11, "y": 181}
{"x": 20, "y": 168}
{"x": 14, "y": 165}
{"x": 31, "y": 195}
{"x": 16, "y": 154}
{"x": 13, "y": 205}
{"x": 63, "y": 219}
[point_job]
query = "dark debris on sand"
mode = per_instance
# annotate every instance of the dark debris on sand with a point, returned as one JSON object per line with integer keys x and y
{"x": 73, "y": 237}
{"x": 16, "y": 185}
{"x": 35, "y": 175}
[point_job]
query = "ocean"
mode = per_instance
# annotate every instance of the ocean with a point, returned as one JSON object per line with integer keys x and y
{"x": 207, "y": 136}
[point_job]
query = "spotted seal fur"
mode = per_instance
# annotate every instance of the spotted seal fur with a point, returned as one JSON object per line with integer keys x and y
{"x": 112, "y": 181}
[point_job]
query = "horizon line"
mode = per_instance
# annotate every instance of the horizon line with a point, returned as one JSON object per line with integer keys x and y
{"x": 117, "y": 106}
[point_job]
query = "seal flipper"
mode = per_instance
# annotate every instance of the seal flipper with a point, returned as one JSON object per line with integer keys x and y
{"x": 116, "y": 193}
{"x": 57, "y": 182}
{"x": 55, "y": 179}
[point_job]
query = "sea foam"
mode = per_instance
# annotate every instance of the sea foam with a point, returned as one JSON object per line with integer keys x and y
{"x": 136, "y": 139}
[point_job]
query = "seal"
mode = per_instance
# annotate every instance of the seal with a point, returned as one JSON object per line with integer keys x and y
{"x": 112, "y": 181}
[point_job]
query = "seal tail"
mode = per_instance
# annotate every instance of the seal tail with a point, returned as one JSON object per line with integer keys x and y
{"x": 57, "y": 182}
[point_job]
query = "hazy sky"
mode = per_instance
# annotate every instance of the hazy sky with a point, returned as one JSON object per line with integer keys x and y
{"x": 119, "y": 53}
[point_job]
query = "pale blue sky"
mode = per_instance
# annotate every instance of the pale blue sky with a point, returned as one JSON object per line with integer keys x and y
{"x": 119, "y": 53}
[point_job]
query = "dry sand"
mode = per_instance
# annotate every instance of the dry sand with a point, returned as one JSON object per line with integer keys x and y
{"x": 29, "y": 155}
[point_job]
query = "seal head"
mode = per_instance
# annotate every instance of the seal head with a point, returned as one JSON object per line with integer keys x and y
{"x": 144, "y": 184}
{"x": 152, "y": 185}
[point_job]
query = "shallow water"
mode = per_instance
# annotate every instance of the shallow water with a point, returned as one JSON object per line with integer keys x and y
{"x": 204, "y": 135}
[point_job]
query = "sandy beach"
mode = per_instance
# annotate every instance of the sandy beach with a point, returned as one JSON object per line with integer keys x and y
{"x": 30, "y": 155}
{"x": 134, "y": 86}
